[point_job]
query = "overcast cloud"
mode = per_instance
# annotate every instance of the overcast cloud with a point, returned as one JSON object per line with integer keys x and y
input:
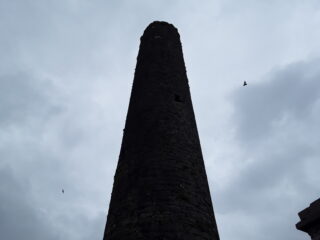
{"x": 66, "y": 69}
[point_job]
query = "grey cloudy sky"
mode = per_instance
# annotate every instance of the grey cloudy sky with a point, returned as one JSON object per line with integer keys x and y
{"x": 66, "y": 69}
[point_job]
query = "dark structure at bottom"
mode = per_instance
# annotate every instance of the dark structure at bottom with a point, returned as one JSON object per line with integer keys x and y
{"x": 310, "y": 220}
{"x": 160, "y": 187}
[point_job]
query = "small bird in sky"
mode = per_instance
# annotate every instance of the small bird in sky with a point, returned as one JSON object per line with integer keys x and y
{"x": 62, "y": 190}
{"x": 245, "y": 83}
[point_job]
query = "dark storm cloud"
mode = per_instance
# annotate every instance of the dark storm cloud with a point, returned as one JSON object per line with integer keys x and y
{"x": 26, "y": 107}
{"x": 36, "y": 163}
{"x": 19, "y": 216}
{"x": 289, "y": 94}
{"x": 276, "y": 127}
{"x": 24, "y": 98}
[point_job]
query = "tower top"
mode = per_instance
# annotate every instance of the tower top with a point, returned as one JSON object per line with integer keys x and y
{"x": 160, "y": 29}
{"x": 156, "y": 24}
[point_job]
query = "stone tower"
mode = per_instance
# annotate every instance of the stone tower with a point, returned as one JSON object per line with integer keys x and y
{"x": 160, "y": 187}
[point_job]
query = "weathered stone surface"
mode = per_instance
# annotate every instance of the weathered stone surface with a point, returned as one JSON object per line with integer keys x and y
{"x": 310, "y": 220}
{"x": 160, "y": 187}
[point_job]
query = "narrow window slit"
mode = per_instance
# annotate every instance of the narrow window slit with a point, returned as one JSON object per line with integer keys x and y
{"x": 178, "y": 98}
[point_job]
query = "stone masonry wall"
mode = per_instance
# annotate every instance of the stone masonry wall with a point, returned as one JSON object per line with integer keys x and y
{"x": 160, "y": 187}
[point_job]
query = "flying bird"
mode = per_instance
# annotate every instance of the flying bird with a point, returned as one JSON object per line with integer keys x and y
{"x": 62, "y": 190}
{"x": 245, "y": 83}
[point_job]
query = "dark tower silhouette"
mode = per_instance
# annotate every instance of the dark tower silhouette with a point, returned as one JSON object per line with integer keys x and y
{"x": 160, "y": 187}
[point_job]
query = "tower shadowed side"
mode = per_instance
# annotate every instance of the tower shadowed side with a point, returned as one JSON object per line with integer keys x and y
{"x": 160, "y": 187}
